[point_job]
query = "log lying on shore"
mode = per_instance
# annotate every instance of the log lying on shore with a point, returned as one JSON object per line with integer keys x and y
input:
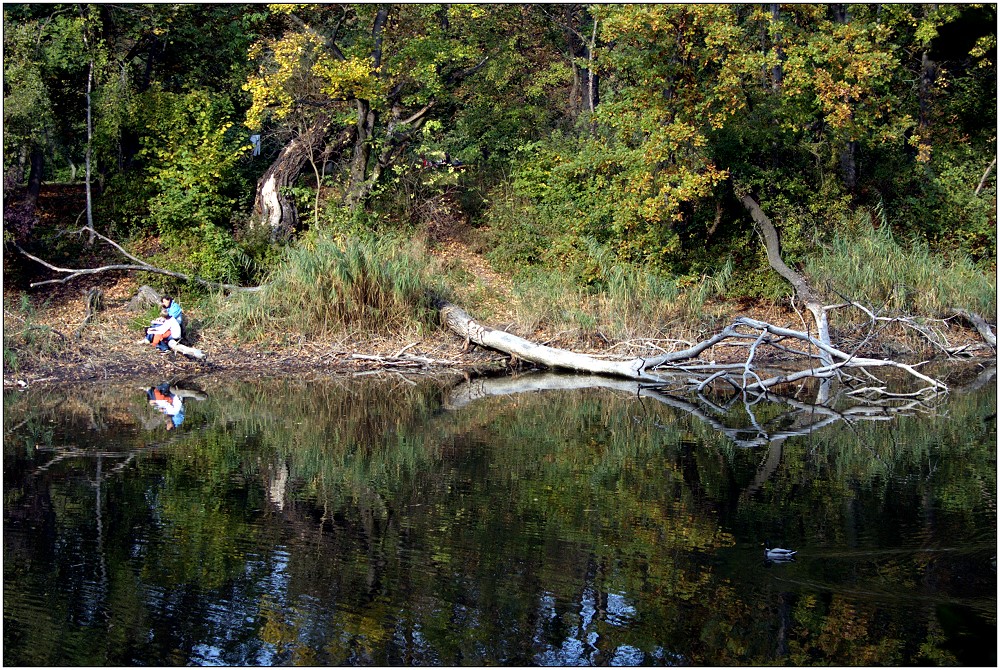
{"x": 746, "y": 376}
{"x": 190, "y": 352}
{"x": 459, "y": 322}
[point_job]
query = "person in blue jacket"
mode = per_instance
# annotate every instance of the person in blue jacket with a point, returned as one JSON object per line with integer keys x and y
{"x": 173, "y": 309}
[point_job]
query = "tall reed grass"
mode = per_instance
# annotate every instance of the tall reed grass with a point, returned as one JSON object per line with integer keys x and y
{"x": 623, "y": 301}
{"x": 868, "y": 265}
{"x": 24, "y": 339}
{"x": 372, "y": 285}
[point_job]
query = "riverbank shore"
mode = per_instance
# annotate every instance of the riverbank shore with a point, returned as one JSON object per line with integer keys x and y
{"x": 55, "y": 345}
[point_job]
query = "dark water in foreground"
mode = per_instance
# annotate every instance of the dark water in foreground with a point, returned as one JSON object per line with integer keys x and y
{"x": 403, "y": 522}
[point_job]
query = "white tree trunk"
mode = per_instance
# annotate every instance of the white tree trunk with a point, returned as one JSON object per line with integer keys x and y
{"x": 90, "y": 138}
{"x": 456, "y": 319}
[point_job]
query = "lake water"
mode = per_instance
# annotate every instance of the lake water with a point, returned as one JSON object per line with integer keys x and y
{"x": 386, "y": 520}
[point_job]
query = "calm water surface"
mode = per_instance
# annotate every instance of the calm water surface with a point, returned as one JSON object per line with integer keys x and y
{"x": 392, "y": 521}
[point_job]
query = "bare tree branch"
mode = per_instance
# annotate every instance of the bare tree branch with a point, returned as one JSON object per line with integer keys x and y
{"x": 74, "y": 273}
{"x": 982, "y": 182}
{"x": 668, "y": 366}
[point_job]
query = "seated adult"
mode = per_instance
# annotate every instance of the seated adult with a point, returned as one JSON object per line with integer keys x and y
{"x": 173, "y": 308}
{"x": 163, "y": 331}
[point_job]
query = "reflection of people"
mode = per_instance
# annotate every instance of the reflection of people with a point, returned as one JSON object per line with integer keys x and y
{"x": 167, "y": 402}
{"x": 164, "y": 330}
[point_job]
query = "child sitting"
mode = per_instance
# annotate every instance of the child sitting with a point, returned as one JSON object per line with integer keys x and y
{"x": 163, "y": 330}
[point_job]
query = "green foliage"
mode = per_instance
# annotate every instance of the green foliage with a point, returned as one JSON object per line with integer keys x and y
{"x": 323, "y": 286}
{"x": 26, "y": 107}
{"x": 190, "y": 154}
{"x": 519, "y": 232}
{"x": 191, "y": 150}
{"x": 938, "y": 203}
{"x": 819, "y": 111}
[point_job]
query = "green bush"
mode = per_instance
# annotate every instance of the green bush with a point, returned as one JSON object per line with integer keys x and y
{"x": 516, "y": 234}
{"x": 191, "y": 149}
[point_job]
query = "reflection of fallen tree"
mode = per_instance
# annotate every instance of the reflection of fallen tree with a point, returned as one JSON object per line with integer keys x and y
{"x": 68, "y": 452}
{"x": 800, "y": 419}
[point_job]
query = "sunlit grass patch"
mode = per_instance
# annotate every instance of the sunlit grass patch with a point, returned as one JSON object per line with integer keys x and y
{"x": 870, "y": 266}
{"x": 627, "y": 303}
{"x": 324, "y": 286}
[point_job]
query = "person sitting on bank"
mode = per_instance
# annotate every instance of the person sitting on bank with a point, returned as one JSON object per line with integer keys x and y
{"x": 163, "y": 331}
{"x": 173, "y": 309}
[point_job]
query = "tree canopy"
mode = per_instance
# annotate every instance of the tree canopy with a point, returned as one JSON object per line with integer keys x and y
{"x": 570, "y": 132}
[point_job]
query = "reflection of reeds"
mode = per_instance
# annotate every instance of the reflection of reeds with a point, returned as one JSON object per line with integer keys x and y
{"x": 343, "y": 438}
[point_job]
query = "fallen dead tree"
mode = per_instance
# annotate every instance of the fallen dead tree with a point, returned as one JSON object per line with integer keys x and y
{"x": 685, "y": 369}
{"x": 748, "y": 375}
{"x": 138, "y": 265}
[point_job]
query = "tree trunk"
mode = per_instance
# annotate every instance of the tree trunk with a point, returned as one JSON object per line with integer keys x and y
{"x": 358, "y": 187}
{"x": 777, "y": 72}
{"x": 459, "y": 322}
{"x": 584, "y": 94}
{"x": 273, "y": 210}
{"x": 802, "y": 289}
{"x": 90, "y": 146}
{"x": 849, "y": 166}
{"x": 34, "y": 178}
{"x": 928, "y": 73}
{"x": 366, "y": 170}
{"x": 593, "y": 92}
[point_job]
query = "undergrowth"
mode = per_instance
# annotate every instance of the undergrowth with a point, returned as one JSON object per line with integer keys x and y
{"x": 323, "y": 286}
{"x": 23, "y": 338}
{"x": 626, "y": 302}
{"x": 868, "y": 265}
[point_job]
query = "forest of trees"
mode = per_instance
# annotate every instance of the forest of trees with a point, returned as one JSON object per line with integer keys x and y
{"x": 578, "y": 138}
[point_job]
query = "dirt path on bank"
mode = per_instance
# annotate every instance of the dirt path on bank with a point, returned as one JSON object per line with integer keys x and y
{"x": 108, "y": 347}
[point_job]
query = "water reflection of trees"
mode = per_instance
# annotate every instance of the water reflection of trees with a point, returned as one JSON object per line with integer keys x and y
{"x": 377, "y": 497}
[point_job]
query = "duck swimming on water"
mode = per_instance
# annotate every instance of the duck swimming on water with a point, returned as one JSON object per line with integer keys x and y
{"x": 779, "y": 554}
